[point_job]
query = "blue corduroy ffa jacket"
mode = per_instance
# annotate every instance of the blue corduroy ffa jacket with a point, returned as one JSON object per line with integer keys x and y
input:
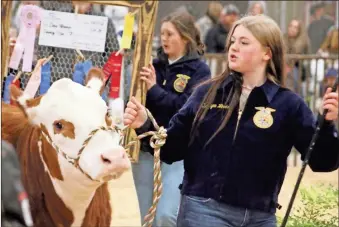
{"x": 174, "y": 85}
{"x": 247, "y": 169}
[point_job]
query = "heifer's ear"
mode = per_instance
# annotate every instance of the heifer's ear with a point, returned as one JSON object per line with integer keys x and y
{"x": 95, "y": 80}
{"x": 15, "y": 92}
{"x": 116, "y": 108}
{"x": 23, "y": 100}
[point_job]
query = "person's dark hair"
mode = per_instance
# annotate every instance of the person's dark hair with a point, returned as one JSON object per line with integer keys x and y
{"x": 184, "y": 23}
{"x": 231, "y": 9}
{"x": 316, "y": 6}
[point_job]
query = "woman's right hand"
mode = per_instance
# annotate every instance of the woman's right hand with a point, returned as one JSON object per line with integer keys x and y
{"x": 135, "y": 114}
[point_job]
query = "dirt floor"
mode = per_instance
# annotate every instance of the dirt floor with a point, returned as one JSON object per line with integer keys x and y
{"x": 126, "y": 210}
{"x": 125, "y": 202}
{"x": 310, "y": 178}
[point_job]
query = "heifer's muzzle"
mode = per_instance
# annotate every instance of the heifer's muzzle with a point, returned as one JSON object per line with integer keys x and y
{"x": 75, "y": 161}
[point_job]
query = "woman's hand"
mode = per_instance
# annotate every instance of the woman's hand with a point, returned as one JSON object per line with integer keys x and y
{"x": 148, "y": 75}
{"x": 330, "y": 102}
{"x": 135, "y": 114}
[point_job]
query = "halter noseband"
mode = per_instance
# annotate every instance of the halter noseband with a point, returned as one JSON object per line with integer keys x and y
{"x": 75, "y": 161}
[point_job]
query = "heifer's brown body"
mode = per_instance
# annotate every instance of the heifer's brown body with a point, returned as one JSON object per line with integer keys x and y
{"x": 47, "y": 207}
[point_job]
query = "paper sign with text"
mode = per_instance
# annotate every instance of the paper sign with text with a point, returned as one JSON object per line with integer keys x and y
{"x": 73, "y": 31}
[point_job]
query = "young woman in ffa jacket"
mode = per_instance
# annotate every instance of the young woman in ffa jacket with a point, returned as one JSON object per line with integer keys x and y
{"x": 169, "y": 83}
{"x": 236, "y": 131}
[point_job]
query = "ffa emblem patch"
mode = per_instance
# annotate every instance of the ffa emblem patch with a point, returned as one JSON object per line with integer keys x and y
{"x": 181, "y": 82}
{"x": 263, "y": 118}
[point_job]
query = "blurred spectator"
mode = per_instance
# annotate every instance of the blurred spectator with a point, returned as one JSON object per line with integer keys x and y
{"x": 296, "y": 38}
{"x": 82, "y": 7}
{"x": 216, "y": 37}
{"x": 210, "y": 19}
{"x": 329, "y": 80}
{"x": 319, "y": 27}
{"x": 331, "y": 42}
{"x": 296, "y": 42}
{"x": 15, "y": 209}
{"x": 257, "y": 7}
{"x": 187, "y": 8}
{"x": 86, "y": 8}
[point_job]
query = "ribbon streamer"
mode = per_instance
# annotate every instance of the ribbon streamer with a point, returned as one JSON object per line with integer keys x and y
{"x": 112, "y": 70}
{"x": 86, "y": 66}
{"x": 35, "y": 80}
{"x": 45, "y": 78}
{"x": 127, "y": 34}
{"x": 8, "y": 81}
{"x": 30, "y": 17}
{"x": 78, "y": 74}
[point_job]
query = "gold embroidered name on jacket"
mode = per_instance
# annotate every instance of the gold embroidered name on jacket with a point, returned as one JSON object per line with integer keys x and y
{"x": 262, "y": 119}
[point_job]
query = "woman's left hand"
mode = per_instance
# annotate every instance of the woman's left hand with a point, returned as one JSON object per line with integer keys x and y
{"x": 148, "y": 75}
{"x": 331, "y": 102}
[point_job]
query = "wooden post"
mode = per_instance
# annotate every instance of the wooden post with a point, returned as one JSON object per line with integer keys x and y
{"x": 6, "y": 15}
{"x": 141, "y": 58}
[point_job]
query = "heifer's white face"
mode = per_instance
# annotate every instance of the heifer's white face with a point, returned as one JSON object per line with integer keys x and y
{"x": 69, "y": 112}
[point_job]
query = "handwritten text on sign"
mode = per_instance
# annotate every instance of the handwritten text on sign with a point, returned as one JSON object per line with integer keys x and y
{"x": 74, "y": 31}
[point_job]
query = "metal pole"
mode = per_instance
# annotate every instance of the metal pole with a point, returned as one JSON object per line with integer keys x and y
{"x": 283, "y": 16}
{"x": 321, "y": 120}
{"x": 337, "y": 13}
{"x": 307, "y": 13}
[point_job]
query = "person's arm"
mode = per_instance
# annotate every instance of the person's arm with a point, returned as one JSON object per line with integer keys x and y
{"x": 325, "y": 155}
{"x": 178, "y": 133}
{"x": 210, "y": 41}
{"x": 12, "y": 188}
{"x": 326, "y": 43}
{"x": 169, "y": 101}
{"x": 308, "y": 49}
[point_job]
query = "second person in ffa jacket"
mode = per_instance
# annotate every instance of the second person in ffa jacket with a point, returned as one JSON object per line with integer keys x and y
{"x": 236, "y": 131}
{"x": 169, "y": 81}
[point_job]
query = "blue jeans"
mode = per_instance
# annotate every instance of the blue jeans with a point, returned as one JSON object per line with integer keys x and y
{"x": 168, "y": 206}
{"x": 204, "y": 212}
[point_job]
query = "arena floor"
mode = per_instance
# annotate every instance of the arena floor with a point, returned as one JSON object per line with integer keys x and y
{"x": 126, "y": 210}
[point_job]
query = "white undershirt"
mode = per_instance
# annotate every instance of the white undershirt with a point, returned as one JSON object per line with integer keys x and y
{"x": 172, "y": 61}
{"x": 243, "y": 99}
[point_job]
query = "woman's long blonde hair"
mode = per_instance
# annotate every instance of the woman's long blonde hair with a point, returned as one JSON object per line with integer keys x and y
{"x": 268, "y": 33}
{"x": 299, "y": 44}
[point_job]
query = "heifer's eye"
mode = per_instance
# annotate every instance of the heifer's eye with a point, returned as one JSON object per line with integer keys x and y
{"x": 58, "y": 125}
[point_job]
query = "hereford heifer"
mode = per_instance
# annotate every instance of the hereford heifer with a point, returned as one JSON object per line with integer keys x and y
{"x": 66, "y": 153}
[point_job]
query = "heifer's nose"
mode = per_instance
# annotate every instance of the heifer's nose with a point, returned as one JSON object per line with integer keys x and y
{"x": 109, "y": 159}
{"x": 115, "y": 160}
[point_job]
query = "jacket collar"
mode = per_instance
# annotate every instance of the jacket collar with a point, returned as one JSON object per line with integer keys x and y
{"x": 163, "y": 58}
{"x": 268, "y": 88}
